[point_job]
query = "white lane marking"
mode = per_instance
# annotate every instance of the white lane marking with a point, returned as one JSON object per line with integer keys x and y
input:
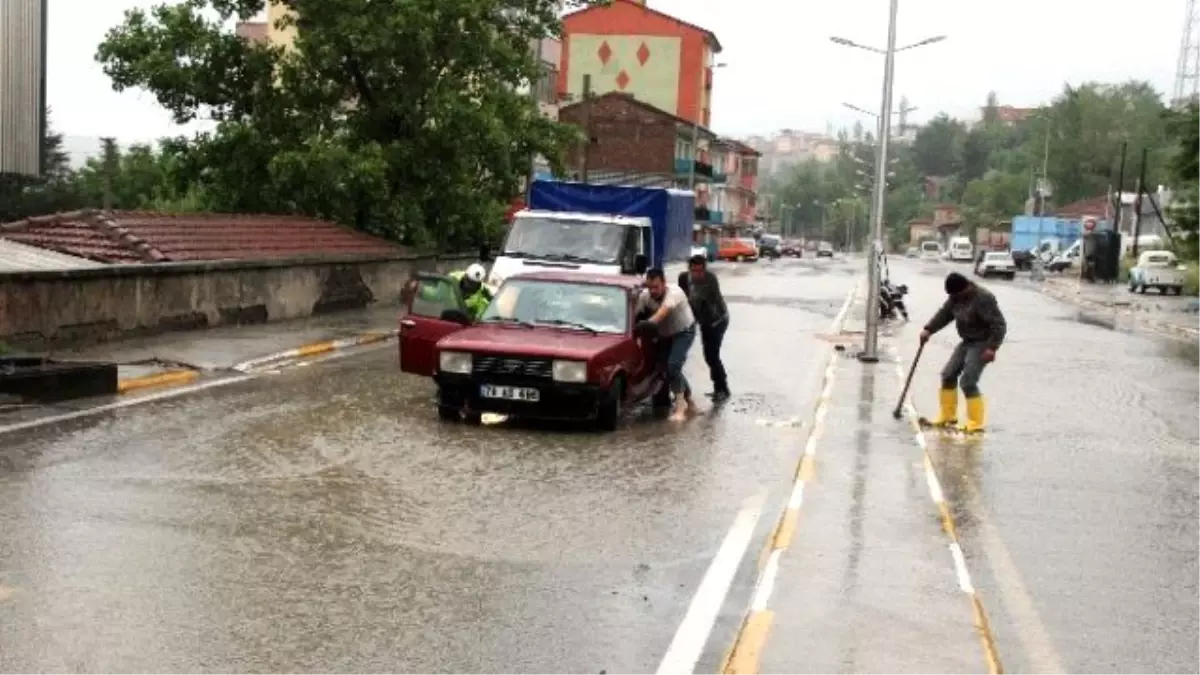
{"x": 767, "y": 583}
{"x": 692, "y": 634}
{"x": 125, "y": 403}
{"x": 960, "y": 568}
{"x": 797, "y": 499}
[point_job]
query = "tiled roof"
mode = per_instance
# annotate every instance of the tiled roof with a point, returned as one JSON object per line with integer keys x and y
{"x": 1094, "y": 206}
{"x": 142, "y": 236}
{"x": 16, "y": 257}
{"x": 709, "y": 35}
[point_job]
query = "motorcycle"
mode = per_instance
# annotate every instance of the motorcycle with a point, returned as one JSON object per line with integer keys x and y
{"x": 891, "y": 300}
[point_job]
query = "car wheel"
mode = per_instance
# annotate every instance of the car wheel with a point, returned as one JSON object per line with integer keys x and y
{"x": 610, "y": 407}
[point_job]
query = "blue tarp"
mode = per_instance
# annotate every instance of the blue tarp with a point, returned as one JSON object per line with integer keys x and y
{"x": 1030, "y": 231}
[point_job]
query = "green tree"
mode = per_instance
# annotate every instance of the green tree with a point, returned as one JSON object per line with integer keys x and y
{"x": 1185, "y": 170}
{"x": 54, "y": 190}
{"x": 399, "y": 117}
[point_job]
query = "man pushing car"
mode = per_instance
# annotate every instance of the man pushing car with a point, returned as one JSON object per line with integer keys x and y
{"x": 669, "y": 309}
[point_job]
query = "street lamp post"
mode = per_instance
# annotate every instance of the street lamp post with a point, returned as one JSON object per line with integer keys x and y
{"x": 870, "y": 353}
{"x": 696, "y": 126}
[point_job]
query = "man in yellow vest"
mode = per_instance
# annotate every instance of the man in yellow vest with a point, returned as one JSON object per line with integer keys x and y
{"x": 474, "y": 293}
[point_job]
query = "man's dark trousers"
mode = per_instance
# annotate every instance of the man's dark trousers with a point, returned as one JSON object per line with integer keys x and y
{"x": 711, "y": 337}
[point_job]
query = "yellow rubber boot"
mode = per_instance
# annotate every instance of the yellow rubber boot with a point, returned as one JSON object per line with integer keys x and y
{"x": 976, "y": 415}
{"x": 947, "y": 408}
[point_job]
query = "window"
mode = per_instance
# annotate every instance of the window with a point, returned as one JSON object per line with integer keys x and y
{"x": 547, "y": 85}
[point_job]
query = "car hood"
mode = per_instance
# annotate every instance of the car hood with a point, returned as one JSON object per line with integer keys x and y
{"x": 543, "y": 341}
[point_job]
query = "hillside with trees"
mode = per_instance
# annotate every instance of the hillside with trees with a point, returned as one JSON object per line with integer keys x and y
{"x": 990, "y": 168}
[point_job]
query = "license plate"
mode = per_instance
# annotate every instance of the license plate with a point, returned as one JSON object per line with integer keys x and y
{"x": 527, "y": 394}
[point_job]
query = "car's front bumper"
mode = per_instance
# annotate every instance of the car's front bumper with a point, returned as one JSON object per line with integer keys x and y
{"x": 556, "y": 400}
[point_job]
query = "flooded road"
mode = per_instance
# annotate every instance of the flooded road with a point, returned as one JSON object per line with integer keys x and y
{"x": 322, "y": 519}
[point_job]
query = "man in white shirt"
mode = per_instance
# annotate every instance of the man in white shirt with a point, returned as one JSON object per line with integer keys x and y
{"x": 669, "y": 308}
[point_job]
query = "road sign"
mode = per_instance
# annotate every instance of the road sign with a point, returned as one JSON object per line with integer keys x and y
{"x": 1089, "y": 224}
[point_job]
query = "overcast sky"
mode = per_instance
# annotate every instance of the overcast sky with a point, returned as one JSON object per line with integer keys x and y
{"x": 782, "y": 70}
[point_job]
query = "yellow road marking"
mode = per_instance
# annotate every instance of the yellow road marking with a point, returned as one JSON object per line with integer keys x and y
{"x": 173, "y": 377}
{"x": 316, "y": 348}
{"x": 786, "y": 529}
{"x": 746, "y": 653}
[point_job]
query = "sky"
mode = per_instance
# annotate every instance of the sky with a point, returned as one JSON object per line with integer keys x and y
{"x": 781, "y": 69}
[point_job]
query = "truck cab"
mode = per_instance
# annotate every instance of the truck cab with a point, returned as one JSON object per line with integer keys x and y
{"x": 573, "y": 242}
{"x": 1159, "y": 270}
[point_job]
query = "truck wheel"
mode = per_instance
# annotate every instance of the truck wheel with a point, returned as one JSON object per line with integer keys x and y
{"x": 610, "y": 407}
{"x": 1142, "y": 289}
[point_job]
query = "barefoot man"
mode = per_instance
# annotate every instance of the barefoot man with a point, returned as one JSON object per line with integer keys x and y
{"x": 669, "y": 308}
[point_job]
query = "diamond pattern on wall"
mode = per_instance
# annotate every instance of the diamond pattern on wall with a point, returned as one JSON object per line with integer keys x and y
{"x": 643, "y": 54}
{"x": 622, "y": 80}
{"x": 604, "y": 52}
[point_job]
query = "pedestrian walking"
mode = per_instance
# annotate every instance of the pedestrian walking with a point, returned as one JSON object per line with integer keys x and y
{"x": 981, "y": 327}
{"x": 669, "y": 308}
{"x": 712, "y": 316}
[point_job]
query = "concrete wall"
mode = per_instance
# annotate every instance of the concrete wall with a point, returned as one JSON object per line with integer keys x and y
{"x": 78, "y": 307}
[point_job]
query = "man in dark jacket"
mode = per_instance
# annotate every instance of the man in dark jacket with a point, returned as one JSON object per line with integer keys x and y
{"x": 981, "y": 326}
{"x": 708, "y": 306}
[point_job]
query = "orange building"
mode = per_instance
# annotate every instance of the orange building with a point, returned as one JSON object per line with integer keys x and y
{"x": 628, "y": 47}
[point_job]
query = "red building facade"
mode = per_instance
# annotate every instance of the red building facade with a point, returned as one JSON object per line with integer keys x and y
{"x": 630, "y": 48}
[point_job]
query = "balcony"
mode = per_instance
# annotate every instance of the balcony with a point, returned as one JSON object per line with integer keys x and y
{"x": 683, "y": 169}
{"x": 716, "y": 218}
{"x": 748, "y": 181}
{"x": 718, "y": 175}
{"x": 702, "y": 214}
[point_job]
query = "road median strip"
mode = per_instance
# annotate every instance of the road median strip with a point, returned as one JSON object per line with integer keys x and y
{"x": 180, "y": 377}
{"x": 745, "y": 654}
{"x": 316, "y": 348}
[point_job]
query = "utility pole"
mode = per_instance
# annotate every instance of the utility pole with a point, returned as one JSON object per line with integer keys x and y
{"x": 587, "y": 128}
{"x": 870, "y": 353}
{"x": 696, "y": 131}
{"x": 1137, "y": 202}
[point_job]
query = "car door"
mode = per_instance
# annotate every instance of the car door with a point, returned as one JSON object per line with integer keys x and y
{"x": 427, "y": 298}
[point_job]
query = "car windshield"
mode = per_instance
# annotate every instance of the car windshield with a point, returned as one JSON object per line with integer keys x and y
{"x": 593, "y": 307}
{"x": 570, "y": 240}
{"x": 930, "y": 246}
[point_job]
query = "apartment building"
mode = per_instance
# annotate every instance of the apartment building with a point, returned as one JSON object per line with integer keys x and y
{"x": 22, "y": 85}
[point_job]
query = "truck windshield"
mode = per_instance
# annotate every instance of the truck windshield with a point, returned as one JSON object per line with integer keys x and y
{"x": 591, "y": 307}
{"x": 567, "y": 240}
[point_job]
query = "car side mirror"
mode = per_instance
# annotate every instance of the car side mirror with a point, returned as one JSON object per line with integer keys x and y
{"x": 485, "y": 253}
{"x": 456, "y": 316}
{"x": 641, "y": 263}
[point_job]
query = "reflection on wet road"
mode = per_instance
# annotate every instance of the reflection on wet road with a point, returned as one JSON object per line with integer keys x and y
{"x": 322, "y": 519}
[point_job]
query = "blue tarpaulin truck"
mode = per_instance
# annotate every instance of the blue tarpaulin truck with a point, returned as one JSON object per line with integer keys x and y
{"x": 596, "y": 228}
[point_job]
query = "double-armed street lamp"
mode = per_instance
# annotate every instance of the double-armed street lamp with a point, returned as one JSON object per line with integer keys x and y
{"x": 870, "y": 353}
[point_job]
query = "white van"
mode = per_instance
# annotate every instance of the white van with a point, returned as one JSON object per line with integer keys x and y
{"x": 931, "y": 250}
{"x": 961, "y": 249}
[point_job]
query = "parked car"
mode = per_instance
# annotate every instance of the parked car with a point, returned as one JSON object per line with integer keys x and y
{"x": 551, "y": 345}
{"x": 738, "y": 249}
{"x": 1157, "y": 269}
{"x": 770, "y": 246}
{"x": 911, "y": 252}
{"x": 825, "y": 250}
{"x": 996, "y": 263}
{"x": 931, "y": 250}
{"x": 792, "y": 248}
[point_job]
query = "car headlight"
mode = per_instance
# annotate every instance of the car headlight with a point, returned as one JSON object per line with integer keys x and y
{"x": 454, "y": 362}
{"x": 570, "y": 371}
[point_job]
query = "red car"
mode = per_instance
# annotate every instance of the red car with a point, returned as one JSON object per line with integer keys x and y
{"x": 552, "y": 345}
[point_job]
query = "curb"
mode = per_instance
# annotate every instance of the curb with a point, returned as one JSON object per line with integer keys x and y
{"x": 168, "y": 378}
{"x": 1165, "y": 327}
{"x": 314, "y": 348}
